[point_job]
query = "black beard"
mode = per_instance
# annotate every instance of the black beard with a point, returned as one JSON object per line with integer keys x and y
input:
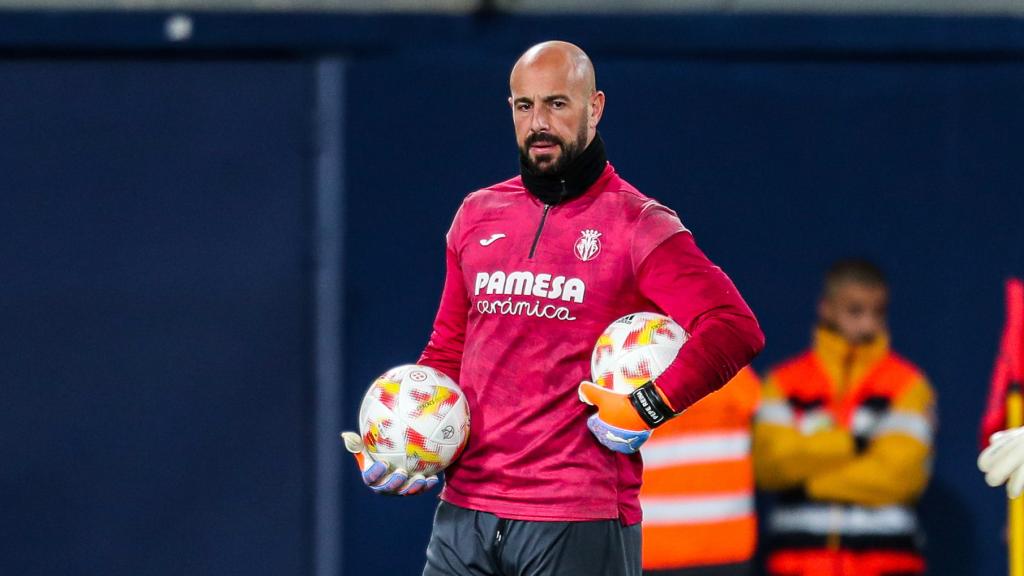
{"x": 569, "y": 152}
{"x": 576, "y": 175}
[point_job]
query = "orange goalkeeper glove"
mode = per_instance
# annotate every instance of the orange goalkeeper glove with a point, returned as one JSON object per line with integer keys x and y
{"x": 623, "y": 422}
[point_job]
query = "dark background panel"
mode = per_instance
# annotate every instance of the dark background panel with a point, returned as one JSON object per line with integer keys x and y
{"x": 155, "y": 362}
{"x": 422, "y": 133}
{"x": 155, "y": 244}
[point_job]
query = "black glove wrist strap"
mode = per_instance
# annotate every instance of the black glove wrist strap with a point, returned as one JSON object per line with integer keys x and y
{"x": 648, "y": 403}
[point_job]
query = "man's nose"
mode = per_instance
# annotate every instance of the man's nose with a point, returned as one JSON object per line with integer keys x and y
{"x": 539, "y": 120}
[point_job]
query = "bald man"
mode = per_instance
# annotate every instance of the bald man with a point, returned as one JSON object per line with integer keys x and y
{"x": 537, "y": 267}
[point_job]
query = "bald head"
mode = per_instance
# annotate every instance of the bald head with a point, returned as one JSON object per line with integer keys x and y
{"x": 555, "y": 105}
{"x": 559, "y": 57}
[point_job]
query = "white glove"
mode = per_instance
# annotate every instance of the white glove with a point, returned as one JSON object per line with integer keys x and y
{"x": 376, "y": 474}
{"x": 1004, "y": 460}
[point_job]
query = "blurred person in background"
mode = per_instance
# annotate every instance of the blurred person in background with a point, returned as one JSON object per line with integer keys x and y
{"x": 844, "y": 437}
{"x": 698, "y": 487}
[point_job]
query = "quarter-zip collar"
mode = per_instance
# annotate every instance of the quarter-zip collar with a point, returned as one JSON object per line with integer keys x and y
{"x": 577, "y": 177}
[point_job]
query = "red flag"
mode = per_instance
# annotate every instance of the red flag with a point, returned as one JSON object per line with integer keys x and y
{"x": 1009, "y": 362}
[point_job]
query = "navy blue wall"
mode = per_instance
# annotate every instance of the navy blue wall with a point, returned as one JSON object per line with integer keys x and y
{"x": 157, "y": 250}
{"x": 154, "y": 365}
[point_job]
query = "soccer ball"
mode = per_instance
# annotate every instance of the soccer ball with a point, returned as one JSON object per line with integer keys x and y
{"x": 415, "y": 418}
{"x": 634, "y": 350}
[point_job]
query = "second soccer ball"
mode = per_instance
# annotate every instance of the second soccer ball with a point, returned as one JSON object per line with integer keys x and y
{"x": 634, "y": 350}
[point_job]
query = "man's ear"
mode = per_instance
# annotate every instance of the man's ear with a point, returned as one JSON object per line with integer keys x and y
{"x": 823, "y": 308}
{"x": 596, "y": 109}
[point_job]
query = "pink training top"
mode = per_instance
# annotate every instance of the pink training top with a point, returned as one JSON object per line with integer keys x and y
{"x": 528, "y": 291}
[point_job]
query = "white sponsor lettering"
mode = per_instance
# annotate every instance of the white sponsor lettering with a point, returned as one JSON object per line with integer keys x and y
{"x": 526, "y": 283}
{"x": 540, "y": 285}
{"x": 481, "y": 281}
{"x": 507, "y": 307}
{"x": 519, "y": 283}
{"x": 556, "y": 287}
{"x": 496, "y": 285}
{"x": 573, "y": 291}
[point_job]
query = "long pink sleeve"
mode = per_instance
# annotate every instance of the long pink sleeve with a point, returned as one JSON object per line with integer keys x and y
{"x": 724, "y": 335}
{"x": 444, "y": 350}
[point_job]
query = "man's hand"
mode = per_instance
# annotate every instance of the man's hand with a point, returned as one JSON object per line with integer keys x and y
{"x": 1003, "y": 461}
{"x": 624, "y": 422}
{"x": 375, "y": 473}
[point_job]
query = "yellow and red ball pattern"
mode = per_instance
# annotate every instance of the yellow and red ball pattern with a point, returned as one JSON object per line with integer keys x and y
{"x": 634, "y": 350}
{"x": 414, "y": 418}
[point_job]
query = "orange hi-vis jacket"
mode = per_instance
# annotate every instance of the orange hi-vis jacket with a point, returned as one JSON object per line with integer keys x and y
{"x": 698, "y": 484}
{"x": 844, "y": 434}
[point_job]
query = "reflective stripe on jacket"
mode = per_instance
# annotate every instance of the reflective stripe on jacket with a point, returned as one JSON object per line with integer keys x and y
{"x": 698, "y": 488}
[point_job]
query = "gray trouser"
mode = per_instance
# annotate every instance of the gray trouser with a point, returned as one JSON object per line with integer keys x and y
{"x": 470, "y": 543}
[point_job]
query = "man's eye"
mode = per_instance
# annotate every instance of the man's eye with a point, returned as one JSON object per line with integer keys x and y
{"x": 522, "y": 106}
{"x": 558, "y": 104}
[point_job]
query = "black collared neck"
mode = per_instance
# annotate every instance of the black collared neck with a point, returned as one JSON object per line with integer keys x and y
{"x": 575, "y": 179}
